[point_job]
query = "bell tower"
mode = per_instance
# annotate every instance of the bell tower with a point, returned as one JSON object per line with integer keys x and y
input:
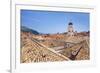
{"x": 70, "y": 29}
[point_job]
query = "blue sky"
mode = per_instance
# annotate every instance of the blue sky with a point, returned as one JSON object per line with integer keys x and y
{"x": 53, "y": 22}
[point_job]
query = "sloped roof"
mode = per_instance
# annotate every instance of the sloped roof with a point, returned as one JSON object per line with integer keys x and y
{"x": 33, "y": 51}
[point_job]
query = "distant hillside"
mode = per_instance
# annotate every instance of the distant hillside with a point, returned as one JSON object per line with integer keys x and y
{"x": 26, "y": 29}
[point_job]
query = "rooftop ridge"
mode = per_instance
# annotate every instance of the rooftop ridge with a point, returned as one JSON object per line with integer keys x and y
{"x": 50, "y": 49}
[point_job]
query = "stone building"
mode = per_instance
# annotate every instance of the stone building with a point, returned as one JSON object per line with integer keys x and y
{"x": 70, "y": 29}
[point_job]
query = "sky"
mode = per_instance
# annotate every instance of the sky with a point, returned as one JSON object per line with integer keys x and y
{"x": 54, "y": 22}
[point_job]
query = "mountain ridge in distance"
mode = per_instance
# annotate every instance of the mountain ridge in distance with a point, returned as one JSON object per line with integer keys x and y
{"x": 26, "y": 29}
